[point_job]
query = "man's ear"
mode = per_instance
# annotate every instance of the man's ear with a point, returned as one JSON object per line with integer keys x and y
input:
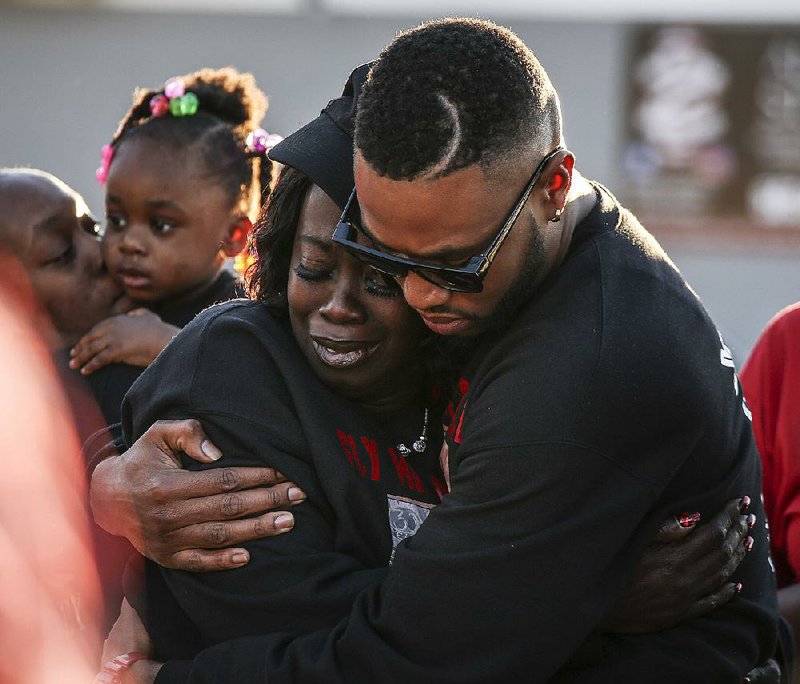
{"x": 559, "y": 182}
{"x": 236, "y": 239}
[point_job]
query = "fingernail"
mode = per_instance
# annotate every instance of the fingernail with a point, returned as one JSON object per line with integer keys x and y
{"x": 746, "y": 680}
{"x": 751, "y": 521}
{"x": 737, "y": 589}
{"x": 744, "y": 504}
{"x": 748, "y": 544}
{"x": 210, "y": 450}
{"x": 240, "y": 558}
{"x": 285, "y": 521}
{"x": 688, "y": 519}
{"x": 296, "y": 494}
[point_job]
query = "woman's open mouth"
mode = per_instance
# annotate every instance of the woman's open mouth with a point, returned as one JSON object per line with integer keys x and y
{"x": 342, "y": 354}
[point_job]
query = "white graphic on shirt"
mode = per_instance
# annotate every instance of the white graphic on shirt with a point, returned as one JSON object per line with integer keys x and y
{"x": 405, "y": 518}
{"x": 726, "y": 359}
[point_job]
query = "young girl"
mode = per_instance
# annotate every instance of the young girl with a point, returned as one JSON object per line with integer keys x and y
{"x": 184, "y": 173}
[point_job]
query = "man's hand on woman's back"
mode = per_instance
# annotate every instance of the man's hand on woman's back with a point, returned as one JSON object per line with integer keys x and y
{"x": 186, "y": 520}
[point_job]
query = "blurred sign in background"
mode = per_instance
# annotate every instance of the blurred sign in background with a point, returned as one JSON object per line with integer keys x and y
{"x": 713, "y": 123}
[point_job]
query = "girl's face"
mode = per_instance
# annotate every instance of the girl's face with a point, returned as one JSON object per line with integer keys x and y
{"x": 351, "y": 323}
{"x": 166, "y": 220}
{"x": 50, "y": 230}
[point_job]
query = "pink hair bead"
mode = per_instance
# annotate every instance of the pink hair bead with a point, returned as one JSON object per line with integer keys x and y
{"x": 261, "y": 141}
{"x": 106, "y": 155}
{"x": 175, "y": 87}
{"x": 257, "y": 140}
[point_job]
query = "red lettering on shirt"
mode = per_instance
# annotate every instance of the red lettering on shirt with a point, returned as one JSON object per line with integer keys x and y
{"x": 456, "y": 424}
{"x": 372, "y": 451}
{"x": 439, "y": 487}
{"x": 405, "y": 472}
{"x": 455, "y": 412}
{"x": 349, "y": 448}
{"x": 457, "y": 436}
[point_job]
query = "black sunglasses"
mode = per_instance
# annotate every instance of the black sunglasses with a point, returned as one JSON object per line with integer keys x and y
{"x": 466, "y": 278}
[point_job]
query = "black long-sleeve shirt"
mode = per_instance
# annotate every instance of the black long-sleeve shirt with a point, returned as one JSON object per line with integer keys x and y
{"x": 240, "y": 372}
{"x": 608, "y": 404}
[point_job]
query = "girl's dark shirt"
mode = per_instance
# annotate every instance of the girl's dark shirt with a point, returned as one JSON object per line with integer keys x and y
{"x": 239, "y": 371}
{"x": 179, "y": 311}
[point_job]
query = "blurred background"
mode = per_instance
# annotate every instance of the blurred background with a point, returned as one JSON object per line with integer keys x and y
{"x": 689, "y": 113}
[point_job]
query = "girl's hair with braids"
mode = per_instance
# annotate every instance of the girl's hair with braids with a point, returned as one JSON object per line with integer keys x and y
{"x": 230, "y": 106}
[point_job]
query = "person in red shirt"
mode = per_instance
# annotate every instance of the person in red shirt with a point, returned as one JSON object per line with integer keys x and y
{"x": 770, "y": 381}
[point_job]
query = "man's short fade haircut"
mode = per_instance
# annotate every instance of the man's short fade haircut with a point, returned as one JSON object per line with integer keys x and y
{"x": 452, "y": 93}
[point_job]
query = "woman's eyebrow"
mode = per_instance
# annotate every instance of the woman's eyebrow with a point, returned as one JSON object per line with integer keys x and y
{"x": 322, "y": 243}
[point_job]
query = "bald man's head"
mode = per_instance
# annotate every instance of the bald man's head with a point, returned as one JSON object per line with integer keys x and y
{"x": 47, "y": 226}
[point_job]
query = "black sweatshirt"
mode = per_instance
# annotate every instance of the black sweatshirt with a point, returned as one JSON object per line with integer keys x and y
{"x": 608, "y": 405}
{"x": 178, "y": 311}
{"x": 240, "y": 372}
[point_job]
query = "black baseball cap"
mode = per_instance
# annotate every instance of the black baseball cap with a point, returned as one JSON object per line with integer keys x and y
{"x": 323, "y": 148}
